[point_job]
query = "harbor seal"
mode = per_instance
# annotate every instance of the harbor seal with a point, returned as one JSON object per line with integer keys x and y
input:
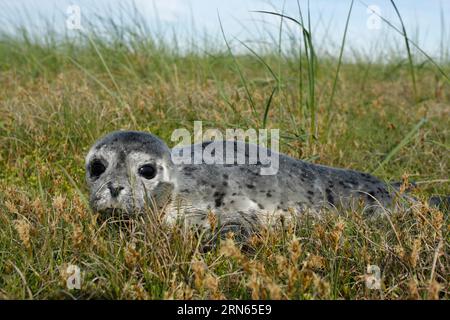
{"x": 130, "y": 171}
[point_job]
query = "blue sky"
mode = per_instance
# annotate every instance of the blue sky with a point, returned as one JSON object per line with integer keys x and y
{"x": 194, "y": 18}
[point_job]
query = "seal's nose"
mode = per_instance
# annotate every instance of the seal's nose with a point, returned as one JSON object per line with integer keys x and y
{"x": 114, "y": 189}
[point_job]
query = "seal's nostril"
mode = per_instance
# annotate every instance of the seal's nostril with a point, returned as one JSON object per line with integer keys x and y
{"x": 114, "y": 190}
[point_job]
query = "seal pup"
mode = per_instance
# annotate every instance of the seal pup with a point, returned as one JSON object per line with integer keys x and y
{"x": 130, "y": 171}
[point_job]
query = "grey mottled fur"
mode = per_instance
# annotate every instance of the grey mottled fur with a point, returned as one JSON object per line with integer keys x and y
{"x": 238, "y": 194}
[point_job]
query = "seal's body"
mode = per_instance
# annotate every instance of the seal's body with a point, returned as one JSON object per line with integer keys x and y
{"x": 130, "y": 171}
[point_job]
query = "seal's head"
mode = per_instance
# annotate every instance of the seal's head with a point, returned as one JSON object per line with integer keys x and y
{"x": 126, "y": 171}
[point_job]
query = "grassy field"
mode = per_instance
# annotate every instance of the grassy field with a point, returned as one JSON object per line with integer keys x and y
{"x": 57, "y": 96}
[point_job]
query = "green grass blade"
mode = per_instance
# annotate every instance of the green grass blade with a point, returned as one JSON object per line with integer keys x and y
{"x": 268, "y": 104}
{"x": 341, "y": 53}
{"x": 241, "y": 75}
{"x": 436, "y": 65}
{"x": 408, "y": 49}
{"x": 402, "y": 143}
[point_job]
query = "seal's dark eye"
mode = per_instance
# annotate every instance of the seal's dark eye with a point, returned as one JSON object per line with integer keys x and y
{"x": 96, "y": 168}
{"x": 147, "y": 171}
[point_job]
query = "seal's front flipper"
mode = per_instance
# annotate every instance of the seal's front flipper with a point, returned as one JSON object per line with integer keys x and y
{"x": 240, "y": 226}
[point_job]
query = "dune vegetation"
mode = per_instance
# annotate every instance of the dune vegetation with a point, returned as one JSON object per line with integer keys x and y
{"x": 58, "y": 94}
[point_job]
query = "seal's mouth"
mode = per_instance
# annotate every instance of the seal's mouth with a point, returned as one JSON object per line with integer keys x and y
{"x": 111, "y": 208}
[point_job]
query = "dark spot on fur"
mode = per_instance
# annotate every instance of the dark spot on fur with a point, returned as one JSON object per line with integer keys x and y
{"x": 225, "y": 183}
{"x": 250, "y": 186}
{"x": 225, "y": 176}
{"x": 218, "y": 198}
{"x": 371, "y": 195}
{"x": 268, "y": 194}
{"x": 368, "y": 177}
{"x": 310, "y": 192}
{"x": 330, "y": 198}
{"x": 260, "y": 206}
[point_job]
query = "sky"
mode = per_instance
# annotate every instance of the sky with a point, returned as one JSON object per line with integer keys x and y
{"x": 427, "y": 21}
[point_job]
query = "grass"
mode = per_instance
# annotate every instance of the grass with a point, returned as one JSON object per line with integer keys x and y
{"x": 58, "y": 96}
